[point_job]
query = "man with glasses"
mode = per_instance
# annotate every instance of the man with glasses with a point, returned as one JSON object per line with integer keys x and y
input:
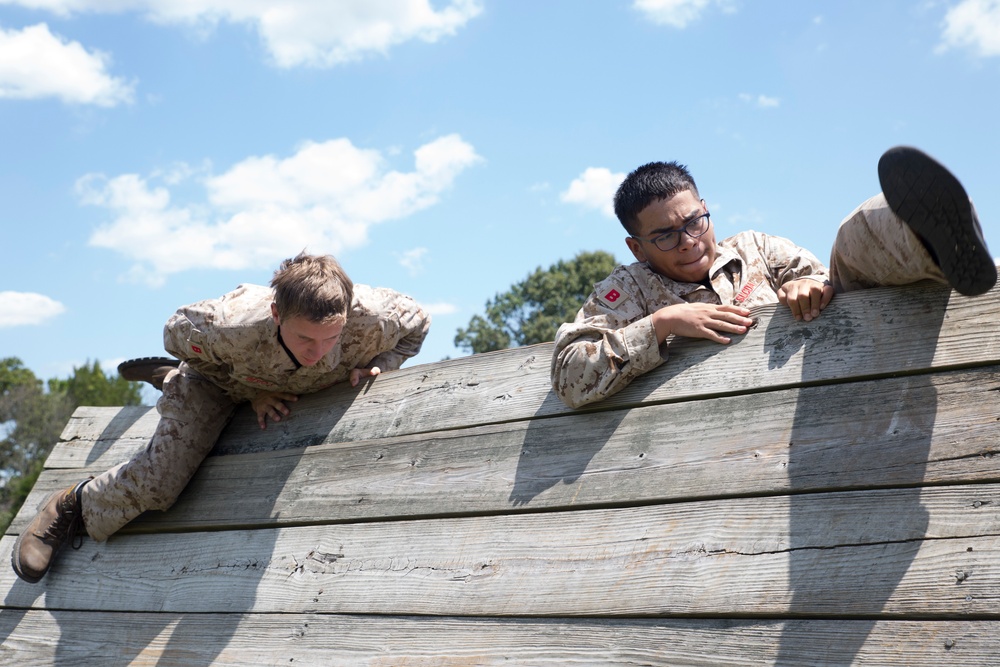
{"x": 684, "y": 283}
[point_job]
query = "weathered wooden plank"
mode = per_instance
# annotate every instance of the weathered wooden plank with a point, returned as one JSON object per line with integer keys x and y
{"x": 90, "y": 423}
{"x": 913, "y": 430}
{"x": 39, "y": 638}
{"x": 892, "y": 553}
{"x": 862, "y": 334}
{"x": 102, "y": 436}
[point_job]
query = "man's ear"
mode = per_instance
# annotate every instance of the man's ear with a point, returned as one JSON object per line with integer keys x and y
{"x": 636, "y": 247}
{"x": 274, "y": 314}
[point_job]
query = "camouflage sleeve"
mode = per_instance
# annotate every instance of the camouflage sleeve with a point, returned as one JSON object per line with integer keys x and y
{"x": 186, "y": 335}
{"x": 604, "y": 349}
{"x": 790, "y": 262}
{"x": 411, "y": 323}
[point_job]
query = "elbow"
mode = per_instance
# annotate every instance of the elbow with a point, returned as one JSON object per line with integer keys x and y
{"x": 572, "y": 388}
{"x": 570, "y": 398}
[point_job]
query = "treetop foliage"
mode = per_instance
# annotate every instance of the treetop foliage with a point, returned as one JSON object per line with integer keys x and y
{"x": 531, "y": 311}
{"x": 90, "y": 386}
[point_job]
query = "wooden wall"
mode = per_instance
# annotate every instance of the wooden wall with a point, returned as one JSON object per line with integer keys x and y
{"x": 812, "y": 494}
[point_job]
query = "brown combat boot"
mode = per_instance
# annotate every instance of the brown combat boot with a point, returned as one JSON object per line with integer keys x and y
{"x": 58, "y": 521}
{"x": 148, "y": 369}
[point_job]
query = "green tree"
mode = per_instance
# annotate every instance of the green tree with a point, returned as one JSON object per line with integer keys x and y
{"x": 31, "y": 420}
{"x": 532, "y": 310}
{"x": 13, "y": 373}
{"x": 90, "y": 386}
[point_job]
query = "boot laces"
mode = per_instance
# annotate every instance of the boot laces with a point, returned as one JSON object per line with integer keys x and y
{"x": 66, "y": 527}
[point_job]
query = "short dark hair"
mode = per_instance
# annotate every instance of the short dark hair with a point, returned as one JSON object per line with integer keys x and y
{"x": 314, "y": 287}
{"x": 646, "y": 184}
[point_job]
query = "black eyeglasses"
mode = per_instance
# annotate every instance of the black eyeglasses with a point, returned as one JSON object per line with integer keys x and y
{"x": 666, "y": 241}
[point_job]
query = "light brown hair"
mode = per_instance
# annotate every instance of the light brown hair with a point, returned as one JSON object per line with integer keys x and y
{"x": 314, "y": 287}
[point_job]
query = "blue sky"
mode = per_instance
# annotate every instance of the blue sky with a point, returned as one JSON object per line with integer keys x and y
{"x": 156, "y": 153}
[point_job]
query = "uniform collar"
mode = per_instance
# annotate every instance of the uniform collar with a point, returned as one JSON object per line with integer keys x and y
{"x": 723, "y": 257}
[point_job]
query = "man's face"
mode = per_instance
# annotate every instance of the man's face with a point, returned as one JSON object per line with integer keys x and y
{"x": 307, "y": 340}
{"x": 692, "y": 258}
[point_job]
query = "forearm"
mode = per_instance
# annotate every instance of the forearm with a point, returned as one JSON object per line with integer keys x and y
{"x": 590, "y": 363}
{"x": 414, "y": 324}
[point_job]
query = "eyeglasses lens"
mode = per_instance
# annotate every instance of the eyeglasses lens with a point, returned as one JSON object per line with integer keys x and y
{"x": 694, "y": 229}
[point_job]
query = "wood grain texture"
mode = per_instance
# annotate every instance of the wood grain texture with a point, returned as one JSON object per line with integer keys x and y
{"x": 896, "y": 552}
{"x": 928, "y": 429}
{"x": 116, "y": 640}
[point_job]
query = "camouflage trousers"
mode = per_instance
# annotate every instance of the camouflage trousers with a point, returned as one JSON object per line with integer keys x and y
{"x": 193, "y": 412}
{"x": 875, "y": 248}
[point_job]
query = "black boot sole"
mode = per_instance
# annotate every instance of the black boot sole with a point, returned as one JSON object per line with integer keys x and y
{"x": 146, "y": 369}
{"x": 936, "y": 207}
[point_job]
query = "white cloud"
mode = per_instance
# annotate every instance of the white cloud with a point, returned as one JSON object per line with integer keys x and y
{"x": 35, "y": 64}
{"x": 412, "y": 260}
{"x": 752, "y": 219}
{"x": 317, "y": 33}
{"x": 440, "y": 308}
{"x": 679, "y": 13}
{"x": 27, "y": 308}
{"x": 265, "y": 208}
{"x": 973, "y": 25}
{"x": 595, "y": 188}
{"x": 179, "y": 172}
{"x": 762, "y": 101}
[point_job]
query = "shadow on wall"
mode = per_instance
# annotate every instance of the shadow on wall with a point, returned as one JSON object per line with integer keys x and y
{"x": 855, "y": 580}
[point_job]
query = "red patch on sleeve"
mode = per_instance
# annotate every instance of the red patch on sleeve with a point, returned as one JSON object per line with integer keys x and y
{"x": 612, "y": 297}
{"x": 196, "y": 349}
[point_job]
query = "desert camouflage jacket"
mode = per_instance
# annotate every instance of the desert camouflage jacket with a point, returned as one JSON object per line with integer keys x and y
{"x": 612, "y": 341}
{"x": 233, "y": 341}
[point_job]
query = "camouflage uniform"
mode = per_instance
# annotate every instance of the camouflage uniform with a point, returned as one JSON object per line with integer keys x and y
{"x": 874, "y": 248}
{"x": 230, "y": 353}
{"x": 612, "y": 341}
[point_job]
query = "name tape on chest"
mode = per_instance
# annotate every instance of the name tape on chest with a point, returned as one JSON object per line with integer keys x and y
{"x": 745, "y": 293}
